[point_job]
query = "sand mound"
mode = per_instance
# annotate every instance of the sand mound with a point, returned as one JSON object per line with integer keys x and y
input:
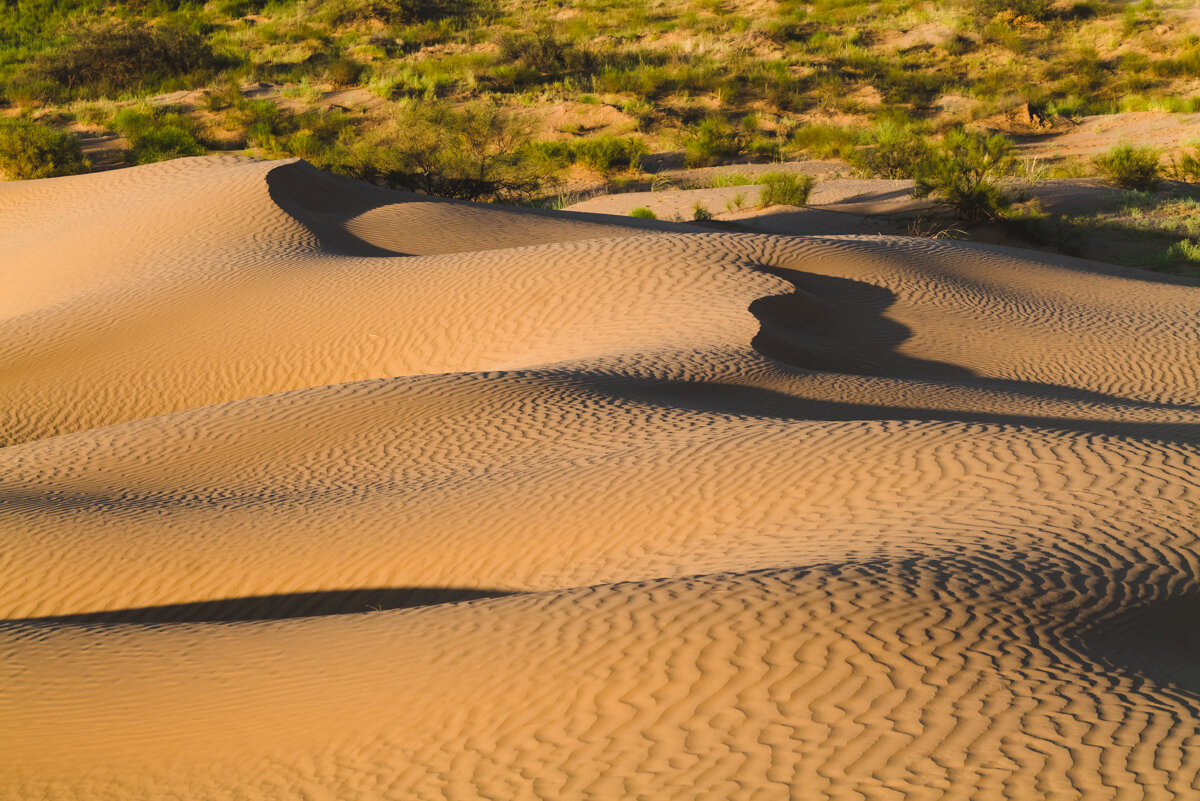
{"x": 316, "y": 490}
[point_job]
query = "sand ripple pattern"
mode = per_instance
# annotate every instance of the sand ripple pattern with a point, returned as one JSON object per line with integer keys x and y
{"x": 314, "y": 490}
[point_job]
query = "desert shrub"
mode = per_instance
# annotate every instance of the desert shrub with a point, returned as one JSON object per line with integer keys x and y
{"x": 262, "y": 122}
{"x": 1186, "y": 168}
{"x": 824, "y": 141}
{"x": 155, "y": 136}
{"x": 29, "y": 150}
{"x": 608, "y": 152}
{"x": 1040, "y": 10}
{"x": 785, "y": 189}
{"x": 399, "y": 12}
{"x": 115, "y": 56}
{"x": 1131, "y": 167}
{"x": 963, "y": 171}
{"x": 343, "y": 71}
{"x": 711, "y": 141}
{"x": 475, "y": 153}
{"x": 700, "y": 212}
{"x": 543, "y": 51}
{"x": 894, "y": 151}
{"x": 643, "y": 213}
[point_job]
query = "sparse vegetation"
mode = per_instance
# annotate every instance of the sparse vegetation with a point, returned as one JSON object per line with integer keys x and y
{"x": 1131, "y": 167}
{"x": 785, "y": 189}
{"x": 29, "y": 150}
{"x": 643, "y": 213}
{"x": 964, "y": 172}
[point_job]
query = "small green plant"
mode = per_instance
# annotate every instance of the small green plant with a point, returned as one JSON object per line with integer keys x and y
{"x": 712, "y": 141}
{"x": 825, "y": 141}
{"x": 894, "y": 151}
{"x": 963, "y": 171}
{"x": 785, "y": 189}
{"x": 29, "y": 150}
{"x": 607, "y": 152}
{"x": 736, "y": 203}
{"x": 721, "y": 180}
{"x": 155, "y": 136}
{"x": 700, "y": 212}
{"x": 344, "y": 71}
{"x": 641, "y": 212}
{"x": 1131, "y": 167}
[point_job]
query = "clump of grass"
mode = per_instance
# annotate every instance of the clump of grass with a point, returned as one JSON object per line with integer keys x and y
{"x": 824, "y": 141}
{"x": 29, "y": 150}
{"x": 894, "y": 151}
{"x": 641, "y": 212}
{"x": 712, "y": 141}
{"x": 725, "y": 179}
{"x": 607, "y": 152}
{"x": 963, "y": 173}
{"x": 1131, "y": 167}
{"x": 344, "y": 71}
{"x": 700, "y": 212}
{"x": 155, "y": 136}
{"x": 785, "y": 189}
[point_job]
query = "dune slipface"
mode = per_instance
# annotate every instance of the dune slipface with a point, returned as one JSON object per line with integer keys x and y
{"x": 313, "y": 490}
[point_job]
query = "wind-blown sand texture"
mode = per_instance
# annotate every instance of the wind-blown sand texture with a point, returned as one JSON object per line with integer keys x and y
{"x": 313, "y": 490}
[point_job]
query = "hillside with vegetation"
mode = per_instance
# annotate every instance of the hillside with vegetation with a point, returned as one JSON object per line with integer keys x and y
{"x": 542, "y": 102}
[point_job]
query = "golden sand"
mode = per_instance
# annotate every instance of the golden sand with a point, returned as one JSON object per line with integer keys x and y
{"x": 313, "y": 490}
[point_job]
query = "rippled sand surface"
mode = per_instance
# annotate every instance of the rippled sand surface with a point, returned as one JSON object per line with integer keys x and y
{"x": 313, "y": 490}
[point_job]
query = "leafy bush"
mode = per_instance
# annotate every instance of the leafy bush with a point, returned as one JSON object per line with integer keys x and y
{"x": 785, "y": 189}
{"x": 1131, "y": 167}
{"x": 643, "y": 213}
{"x": 475, "y": 153}
{"x": 344, "y": 71}
{"x": 604, "y": 153}
{"x": 713, "y": 140}
{"x": 895, "y": 151}
{"x": 962, "y": 172}
{"x": 29, "y": 150}
{"x": 543, "y": 52}
{"x": 115, "y": 56}
{"x": 155, "y": 136}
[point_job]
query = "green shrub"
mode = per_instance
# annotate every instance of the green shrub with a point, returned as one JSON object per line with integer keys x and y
{"x": 1131, "y": 167}
{"x": 116, "y": 56}
{"x": 157, "y": 136}
{"x": 825, "y": 141}
{"x": 477, "y": 152}
{"x": 700, "y": 212}
{"x": 29, "y": 150}
{"x": 712, "y": 141}
{"x": 1040, "y": 10}
{"x": 895, "y": 151}
{"x": 643, "y": 213}
{"x": 785, "y": 189}
{"x": 544, "y": 52}
{"x": 962, "y": 172}
{"x": 1187, "y": 168}
{"x": 608, "y": 152}
{"x": 343, "y": 71}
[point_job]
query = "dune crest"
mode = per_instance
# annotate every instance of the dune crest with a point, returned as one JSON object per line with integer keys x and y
{"x": 315, "y": 489}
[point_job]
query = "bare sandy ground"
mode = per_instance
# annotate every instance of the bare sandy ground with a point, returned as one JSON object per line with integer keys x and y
{"x": 311, "y": 490}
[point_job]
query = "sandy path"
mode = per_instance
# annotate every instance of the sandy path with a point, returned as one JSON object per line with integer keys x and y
{"x": 568, "y": 507}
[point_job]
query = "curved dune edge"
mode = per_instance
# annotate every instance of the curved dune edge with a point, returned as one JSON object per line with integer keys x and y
{"x": 312, "y": 489}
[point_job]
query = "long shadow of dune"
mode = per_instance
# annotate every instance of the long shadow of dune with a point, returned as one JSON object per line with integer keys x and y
{"x": 838, "y": 325}
{"x": 277, "y": 607}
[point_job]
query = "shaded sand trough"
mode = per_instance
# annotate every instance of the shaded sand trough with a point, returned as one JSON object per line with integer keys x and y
{"x": 313, "y": 490}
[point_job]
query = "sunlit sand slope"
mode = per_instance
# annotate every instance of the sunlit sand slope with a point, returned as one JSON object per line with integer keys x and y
{"x": 316, "y": 490}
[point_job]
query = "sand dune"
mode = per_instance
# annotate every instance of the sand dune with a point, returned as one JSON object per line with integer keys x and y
{"x": 311, "y": 489}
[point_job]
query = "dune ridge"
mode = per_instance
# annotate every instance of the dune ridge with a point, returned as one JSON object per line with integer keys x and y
{"x": 313, "y": 489}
